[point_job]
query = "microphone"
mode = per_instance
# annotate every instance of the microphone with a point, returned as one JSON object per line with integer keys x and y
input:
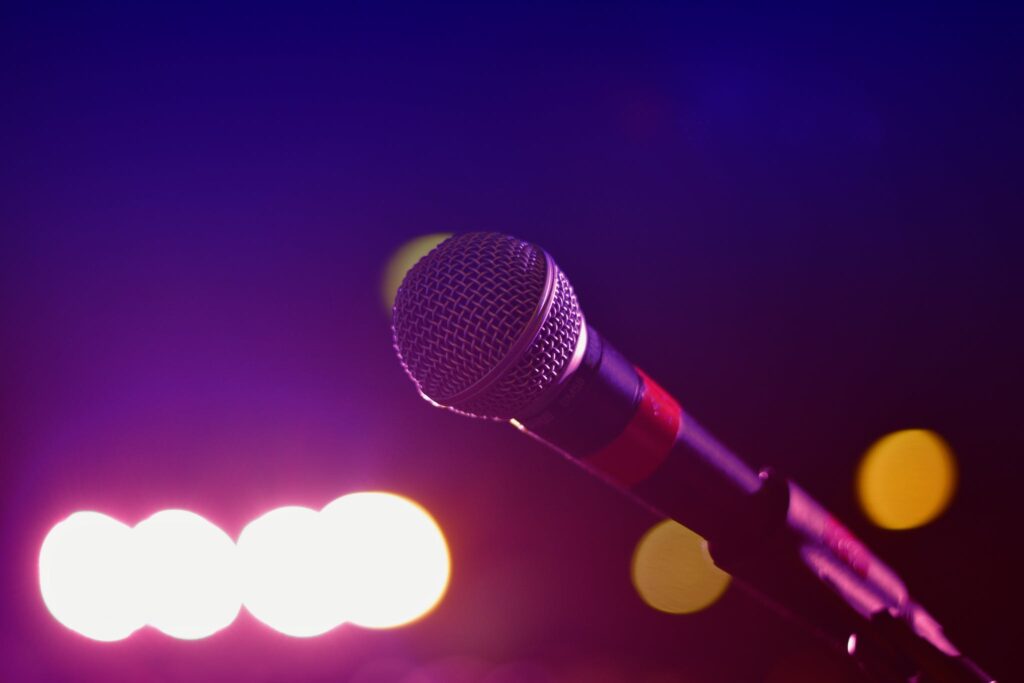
{"x": 488, "y": 326}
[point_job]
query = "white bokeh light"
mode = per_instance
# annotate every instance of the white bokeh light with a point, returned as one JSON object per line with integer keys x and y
{"x": 290, "y": 573}
{"x": 396, "y": 562}
{"x": 188, "y": 574}
{"x": 374, "y": 559}
{"x": 88, "y": 576}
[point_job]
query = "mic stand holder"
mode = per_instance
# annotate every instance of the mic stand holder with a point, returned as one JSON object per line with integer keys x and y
{"x": 770, "y": 549}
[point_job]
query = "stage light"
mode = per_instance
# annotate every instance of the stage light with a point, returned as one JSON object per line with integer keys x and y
{"x": 88, "y": 577}
{"x": 291, "y": 572}
{"x": 189, "y": 574}
{"x": 396, "y": 562}
{"x": 673, "y": 572}
{"x": 375, "y": 559}
{"x": 906, "y": 479}
{"x": 404, "y": 258}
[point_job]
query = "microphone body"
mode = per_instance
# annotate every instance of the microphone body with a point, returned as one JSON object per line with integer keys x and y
{"x": 611, "y": 418}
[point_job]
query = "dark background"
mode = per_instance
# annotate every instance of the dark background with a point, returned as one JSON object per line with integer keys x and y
{"x": 803, "y": 222}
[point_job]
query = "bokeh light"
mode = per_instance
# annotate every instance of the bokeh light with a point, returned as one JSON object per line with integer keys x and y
{"x": 88, "y": 577}
{"x": 673, "y": 572}
{"x": 396, "y": 560}
{"x": 906, "y": 479}
{"x": 292, "y": 572}
{"x": 188, "y": 573}
{"x": 374, "y": 559}
{"x": 404, "y": 258}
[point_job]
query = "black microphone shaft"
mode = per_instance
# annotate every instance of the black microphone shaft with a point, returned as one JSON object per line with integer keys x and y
{"x": 611, "y": 418}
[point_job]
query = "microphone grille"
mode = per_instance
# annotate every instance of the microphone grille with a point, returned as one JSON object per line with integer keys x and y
{"x": 472, "y": 328}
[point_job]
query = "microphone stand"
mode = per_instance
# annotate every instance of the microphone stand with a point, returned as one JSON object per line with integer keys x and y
{"x": 894, "y": 641}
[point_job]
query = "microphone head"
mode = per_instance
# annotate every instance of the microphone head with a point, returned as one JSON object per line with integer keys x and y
{"x": 485, "y": 324}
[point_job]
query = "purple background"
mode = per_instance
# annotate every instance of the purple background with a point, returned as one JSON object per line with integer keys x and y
{"x": 805, "y": 224}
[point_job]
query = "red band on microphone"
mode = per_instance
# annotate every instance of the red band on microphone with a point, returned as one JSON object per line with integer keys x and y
{"x": 645, "y": 442}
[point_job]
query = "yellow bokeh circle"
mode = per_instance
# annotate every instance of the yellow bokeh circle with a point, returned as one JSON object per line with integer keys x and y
{"x": 404, "y": 258}
{"x": 673, "y": 572}
{"x": 906, "y": 479}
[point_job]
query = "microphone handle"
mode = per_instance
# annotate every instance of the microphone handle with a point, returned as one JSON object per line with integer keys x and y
{"x": 609, "y": 417}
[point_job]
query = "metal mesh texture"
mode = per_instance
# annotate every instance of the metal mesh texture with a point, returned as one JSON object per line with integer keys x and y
{"x": 461, "y": 309}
